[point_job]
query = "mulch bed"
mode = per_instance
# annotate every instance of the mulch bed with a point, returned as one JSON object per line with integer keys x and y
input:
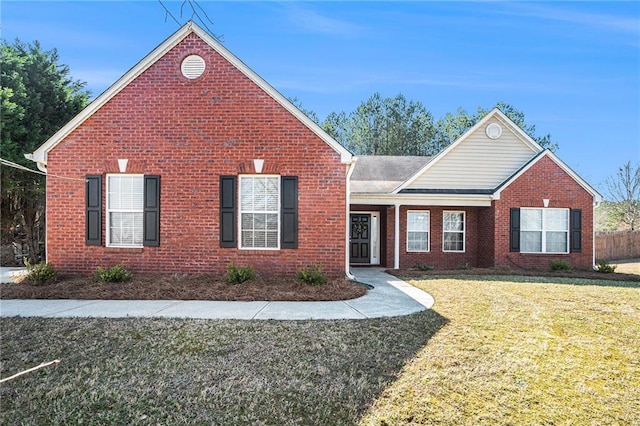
{"x": 184, "y": 287}
{"x": 591, "y": 275}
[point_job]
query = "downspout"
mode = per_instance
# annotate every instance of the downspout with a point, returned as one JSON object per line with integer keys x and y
{"x": 351, "y": 167}
{"x": 596, "y": 203}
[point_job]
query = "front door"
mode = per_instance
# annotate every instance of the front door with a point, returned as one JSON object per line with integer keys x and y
{"x": 360, "y": 238}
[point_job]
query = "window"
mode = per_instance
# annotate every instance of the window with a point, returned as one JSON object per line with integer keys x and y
{"x": 453, "y": 231}
{"x": 418, "y": 230}
{"x": 544, "y": 230}
{"x": 260, "y": 212}
{"x": 125, "y": 210}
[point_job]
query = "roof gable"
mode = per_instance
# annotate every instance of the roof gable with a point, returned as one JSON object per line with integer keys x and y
{"x": 547, "y": 153}
{"x": 479, "y": 159}
{"x": 40, "y": 154}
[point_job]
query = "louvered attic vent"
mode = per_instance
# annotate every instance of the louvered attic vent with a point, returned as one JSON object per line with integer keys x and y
{"x": 192, "y": 66}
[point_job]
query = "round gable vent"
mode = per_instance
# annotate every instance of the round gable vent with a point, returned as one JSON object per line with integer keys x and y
{"x": 192, "y": 66}
{"x": 493, "y": 131}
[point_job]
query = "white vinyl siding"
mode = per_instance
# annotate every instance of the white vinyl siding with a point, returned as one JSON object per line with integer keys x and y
{"x": 453, "y": 231}
{"x": 418, "y": 224}
{"x": 544, "y": 230}
{"x": 477, "y": 162}
{"x": 259, "y": 212}
{"x": 125, "y": 210}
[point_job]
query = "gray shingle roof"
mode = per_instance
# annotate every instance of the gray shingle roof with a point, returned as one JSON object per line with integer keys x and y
{"x": 381, "y": 174}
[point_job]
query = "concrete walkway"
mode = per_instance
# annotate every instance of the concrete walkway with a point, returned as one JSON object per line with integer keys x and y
{"x": 389, "y": 297}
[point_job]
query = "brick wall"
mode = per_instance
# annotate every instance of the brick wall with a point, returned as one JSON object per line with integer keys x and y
{"x": 436, "y": 257}
{"x": 545, "y": 179}
{"x": 190, "y": 132}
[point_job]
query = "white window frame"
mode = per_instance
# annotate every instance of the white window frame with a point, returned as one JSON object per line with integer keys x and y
{"x": 428, "y": 231}
{"x": 110, "y": 210}
{"x": 463, "y": 232}
{"x": 544, "y": 230}
{"x": 241, "y": 211}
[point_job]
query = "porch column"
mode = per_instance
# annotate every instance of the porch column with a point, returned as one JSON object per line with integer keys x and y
{"x": 396, "y": 239}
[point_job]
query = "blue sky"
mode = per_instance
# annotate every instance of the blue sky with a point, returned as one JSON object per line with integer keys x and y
{"x": 573, "y": 67}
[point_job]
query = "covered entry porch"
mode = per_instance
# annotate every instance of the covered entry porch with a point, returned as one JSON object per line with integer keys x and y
{"x": 443, "y": 234}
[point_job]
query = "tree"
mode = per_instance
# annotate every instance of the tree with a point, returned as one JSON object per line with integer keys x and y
{"x": 624, "y": 190}
{"x": 452, "y": 126}
{"x": 37, "y": 98}
{"x": 389, "y": 126}
{"x": 311, "y": 114}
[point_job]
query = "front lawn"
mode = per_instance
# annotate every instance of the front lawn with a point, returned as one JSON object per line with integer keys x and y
{"x": 495, "y": 350}
{"x": 187, "y": 372}
{"x": 531, "y": 351}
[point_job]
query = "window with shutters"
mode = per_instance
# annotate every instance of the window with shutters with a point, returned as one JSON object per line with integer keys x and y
{"x": 125, "y": 210}
{"x": 259, "y": 212}
{"x": 544, "y": 230}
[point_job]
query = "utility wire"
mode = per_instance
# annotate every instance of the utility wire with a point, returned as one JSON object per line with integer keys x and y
{"x": 21, "y": 167}
{"x": 194, "y": 12}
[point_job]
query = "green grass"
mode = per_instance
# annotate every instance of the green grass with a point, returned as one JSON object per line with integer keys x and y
{"x": 522, "y": 353}
{"x": 495, "y": 350}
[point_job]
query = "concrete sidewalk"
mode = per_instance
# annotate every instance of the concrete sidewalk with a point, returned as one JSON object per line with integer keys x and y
{"x": 389, "y": 297}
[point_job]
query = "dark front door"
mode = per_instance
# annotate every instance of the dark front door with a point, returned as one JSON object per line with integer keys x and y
{"x": 360, "y": 238}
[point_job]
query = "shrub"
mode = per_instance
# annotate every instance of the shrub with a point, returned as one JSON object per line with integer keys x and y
{"x": 463, "y": 266}
{"x": 559, "y": 265}
{"x": 312, "y": 275}
{"x": 238, "y": 274}
{"x": 115, "y": 274}
{"x": 605, "y": 267}
{"x": 42, "y": 273}
{"x": 422, "y": 267}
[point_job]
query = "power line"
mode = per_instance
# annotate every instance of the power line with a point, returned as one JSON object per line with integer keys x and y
{"x": 21, "y": 167}
{"x": 194, "y": 13}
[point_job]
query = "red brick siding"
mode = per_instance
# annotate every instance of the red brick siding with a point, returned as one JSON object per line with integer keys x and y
{"x": 436, "y": 257}
{"x": 545, "y": 179}
{"x": 190, "y": 132}
{"x": 486, "y": 241}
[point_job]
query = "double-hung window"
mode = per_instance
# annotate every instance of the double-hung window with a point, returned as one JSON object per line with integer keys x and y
{"x": 418, "y": 231}
{"x": 125, "y": 210}
{"x": 544, "y": 230}
{"x": 259, "y": 212}
{"x": 453, "y": 231}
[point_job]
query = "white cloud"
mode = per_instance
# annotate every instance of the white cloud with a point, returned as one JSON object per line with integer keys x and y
{"x": 311, "y": 21}
{"x": 621, "y": 24}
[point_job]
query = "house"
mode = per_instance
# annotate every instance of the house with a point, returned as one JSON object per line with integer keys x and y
{"x": 191, "y": 161}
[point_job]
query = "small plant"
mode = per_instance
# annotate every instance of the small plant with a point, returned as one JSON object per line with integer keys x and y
{"x": 605, "y": 267}
{"x": 559, "y": 265}
{"x": 312, "y": 275}
{"x": 463, "y": 266}
{"x": 238, "y": 274}
{"x": 115, "y": 274}
{"x": 41, "y": 273}
{"x": 422, "y": 267}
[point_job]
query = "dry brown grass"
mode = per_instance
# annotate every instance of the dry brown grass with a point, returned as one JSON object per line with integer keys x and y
{"x": 184, "y": 287}
{"x": 554, "y": 351}
{"x": 627, "y": 266}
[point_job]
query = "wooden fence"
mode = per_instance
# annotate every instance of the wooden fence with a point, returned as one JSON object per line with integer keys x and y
{"x": 617, "y": 245}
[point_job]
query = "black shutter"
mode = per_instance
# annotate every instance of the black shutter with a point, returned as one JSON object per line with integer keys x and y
{"x": 93, "y": 198}
{"x": 576, "y": 230}
{"x": 151, "y": 211}
{"x": 289, "y": 212}
{"x": 514, "y": 230}
{"x": 228, "y": 211}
